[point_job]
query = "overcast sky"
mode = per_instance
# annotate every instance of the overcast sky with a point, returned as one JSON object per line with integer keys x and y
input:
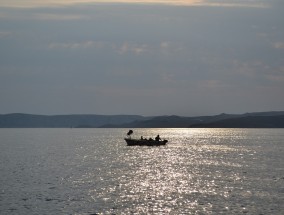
{"x": 146, "y": 57}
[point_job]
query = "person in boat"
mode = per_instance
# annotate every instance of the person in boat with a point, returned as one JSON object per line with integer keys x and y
{"x": 157, "y": 138}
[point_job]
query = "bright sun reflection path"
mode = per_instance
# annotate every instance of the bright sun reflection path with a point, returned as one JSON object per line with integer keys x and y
{"x": 93, "y": 171}
{"x": 198, "y": 171}
{"x": 175, "y": 172}
{"x": 163, "y": 177}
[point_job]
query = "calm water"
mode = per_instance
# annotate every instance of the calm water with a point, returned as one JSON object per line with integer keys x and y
{"x": 92, "y": 171}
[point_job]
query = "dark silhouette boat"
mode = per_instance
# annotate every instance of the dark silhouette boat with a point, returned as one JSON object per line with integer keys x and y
{"x": 144, "y": 142}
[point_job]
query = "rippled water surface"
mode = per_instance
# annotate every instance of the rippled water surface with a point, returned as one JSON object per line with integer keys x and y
{"x": 92, "y": 171}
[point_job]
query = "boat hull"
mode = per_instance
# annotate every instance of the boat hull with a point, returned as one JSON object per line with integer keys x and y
{"x": 137, "y": 142}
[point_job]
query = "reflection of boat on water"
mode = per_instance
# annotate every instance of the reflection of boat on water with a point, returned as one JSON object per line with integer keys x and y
{"x": 144, "y": 142}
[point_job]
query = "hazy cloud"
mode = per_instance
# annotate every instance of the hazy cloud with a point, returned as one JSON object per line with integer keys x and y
{"x": 278, "y": 45}
{"x": 58, "y": 3}
{"x": 95, "y": 58}
{"x": 4, "y": 34}
{"x": 78, "y": 45}
{"x": 129, "y": 47}
{"x": 56, "y": 17}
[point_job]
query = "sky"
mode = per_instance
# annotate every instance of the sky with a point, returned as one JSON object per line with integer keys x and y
{"x": 145, "y": 57}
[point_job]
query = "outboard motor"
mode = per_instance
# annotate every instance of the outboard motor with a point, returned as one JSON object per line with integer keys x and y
{"x": 129, "y": 133}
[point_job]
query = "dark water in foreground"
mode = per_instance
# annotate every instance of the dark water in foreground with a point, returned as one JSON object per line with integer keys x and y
{"x": 89, "y": 171}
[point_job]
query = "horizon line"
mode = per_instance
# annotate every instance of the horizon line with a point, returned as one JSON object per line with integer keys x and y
{"x": 68, "y": 114}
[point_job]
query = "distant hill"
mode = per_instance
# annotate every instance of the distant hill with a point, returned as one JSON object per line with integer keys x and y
{"x": 19, "y": 120}
{"x": 171, "y": 121}
{"x": 247, "y": 120}
{"x": 201, "y": 121}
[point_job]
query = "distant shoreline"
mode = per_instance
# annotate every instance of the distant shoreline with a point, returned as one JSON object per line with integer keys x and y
{"x": 272, "y": 119}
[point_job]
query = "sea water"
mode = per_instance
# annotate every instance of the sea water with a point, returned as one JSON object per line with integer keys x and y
{"x": 93, "y": 171}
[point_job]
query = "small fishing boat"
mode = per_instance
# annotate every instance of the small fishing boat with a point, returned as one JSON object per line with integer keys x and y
{"x": 144, "y": 142}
